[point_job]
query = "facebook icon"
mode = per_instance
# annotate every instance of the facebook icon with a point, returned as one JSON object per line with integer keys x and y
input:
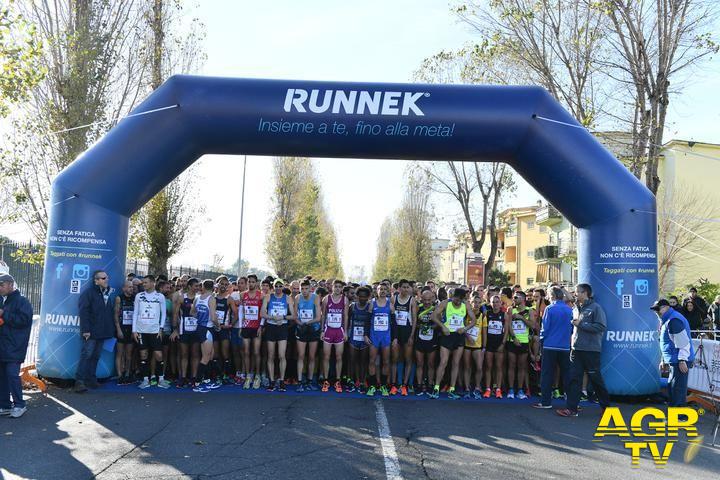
{"x": 619, "y": 286}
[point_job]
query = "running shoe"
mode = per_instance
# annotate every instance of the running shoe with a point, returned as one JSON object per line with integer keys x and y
{"x": 452, "y": 395}
{"x": 541, "y": 406}
{"x": 200, "y": 388}
{"x": 556, "y": 393}
{"x": 371, "y": 391}
{"x": 270, "y": 387}
{"x": 583, "y": 397}
{"x": 281, "y": 386}
{"x": 467, "y": 395}
{"x": 257, "y": 383}
{"x": 301, "y": 387}
{"x": 487, "y": 393}
{"x": 510, "y": 394}
{"x": 180, "y": 383}
{"x": 361, "y": 390}
{"x": 121, "y": 380}
{"x": 214, "y": 385}
{"x": 411, "y": 389}
{"x": 265, "y": 382}
{"x": 521, "y": 394}
{"x": 566, "y": 412}
{"x": 393, "y": 390}
{"x": 326, "y": 386}
{"x": 153, "y": 382}
{"x": 338, "y": 387}
{"x": 421, "y": 391}
{"x": 144, "y": 384}
{"x": 435, "y": 393}
{"x": 238, "y": 380}
{"x": 384, "y": 391}
{"x": 313, "y": 386}
{"x": 351, "y": 387}
{"x": 498, "y": 393}
{"x": 164, "y": 384}
{"x": 403, "y": 390}
{"x": 477, "y": 393}
{"x": 248, "y": 383}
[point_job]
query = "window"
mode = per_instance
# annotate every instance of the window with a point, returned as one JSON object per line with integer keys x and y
{"x": 543, "y": 229}
{"x": 530, "y": 281}
{"x": 530, "y": 225}
{"x": 531, "y": 253}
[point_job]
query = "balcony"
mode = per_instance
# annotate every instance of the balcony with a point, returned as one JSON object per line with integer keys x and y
{"x": 567, "y": 247}
{"x": 547, "y": 254}
{"x": 548, "y": 216}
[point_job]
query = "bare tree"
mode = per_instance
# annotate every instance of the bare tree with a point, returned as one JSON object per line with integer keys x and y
{"x": 655, "y": 41}
{"x": 464, "y": 181}
{"x": 684, "y": 222}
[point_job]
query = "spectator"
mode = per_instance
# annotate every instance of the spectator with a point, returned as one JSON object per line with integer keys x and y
{"x": 587, "y": 336}
{"x": 555, "y": 337}
{"x": 692, "y": 314}
{"x": 15, "y": 324}
{"x": 677, "y": 351}
{"x": 674, "y": 303}
{"x": 97, "y": 324}
{"x": 700, "y": 303}
{"x": 714, "y": 314}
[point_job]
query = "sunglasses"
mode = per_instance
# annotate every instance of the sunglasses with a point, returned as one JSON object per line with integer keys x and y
{"x": 101, "y": 278}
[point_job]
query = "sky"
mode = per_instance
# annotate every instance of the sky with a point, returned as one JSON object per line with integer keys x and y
{"x": 381, "y": 41}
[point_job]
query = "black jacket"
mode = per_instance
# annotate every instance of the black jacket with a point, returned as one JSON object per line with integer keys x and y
{"x": 15, "y": 332}
{"x": 96, "y": 315}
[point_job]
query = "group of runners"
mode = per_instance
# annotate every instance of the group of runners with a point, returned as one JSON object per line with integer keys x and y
{"x": 387, "y": 338}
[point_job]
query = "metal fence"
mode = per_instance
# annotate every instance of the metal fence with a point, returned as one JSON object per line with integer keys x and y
{"x": 28, "y": 276}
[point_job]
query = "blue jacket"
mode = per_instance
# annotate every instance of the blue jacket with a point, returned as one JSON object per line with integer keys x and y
{"x": 557, "y": 326}
{"x": 15, "y": 332}
{"x": 675, "y": 342}
{"x": 96, "y": 315}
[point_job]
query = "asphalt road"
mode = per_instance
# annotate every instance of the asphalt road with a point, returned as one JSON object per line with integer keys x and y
{"x": 124, "y": 433}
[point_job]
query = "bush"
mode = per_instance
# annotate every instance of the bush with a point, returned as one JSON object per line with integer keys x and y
{"x": 498, "y": 278}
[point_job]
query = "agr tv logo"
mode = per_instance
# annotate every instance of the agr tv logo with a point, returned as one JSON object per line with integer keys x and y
{"x": 647, "y": 427}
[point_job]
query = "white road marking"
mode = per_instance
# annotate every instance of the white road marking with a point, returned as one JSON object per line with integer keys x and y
{"x": 392, "y": 464}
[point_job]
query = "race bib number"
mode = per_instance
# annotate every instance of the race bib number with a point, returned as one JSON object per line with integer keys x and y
{"x": 190, "y": 324}
{"x": 220, "y": 317}
{"x": 474, "y": 333}
{"x": 278, "y": 312}
{"x": 358, "y": 334}
{"x": 519, "y": 326}
{"x": 401, "y": 318}
{"x": 334, "y": 320}
{"x": 251, "y": 312}
{"x": 306, "y": 315}
{"x": 495, "y": 327}
{"x": 427, "y": 333}
{"x": 456, "y": 321}
{"x": 380, "y": 322}
{"x": 127, "y": 317}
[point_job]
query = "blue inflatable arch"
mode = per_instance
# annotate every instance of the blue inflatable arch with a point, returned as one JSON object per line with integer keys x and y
{"x": 93, "y": 198}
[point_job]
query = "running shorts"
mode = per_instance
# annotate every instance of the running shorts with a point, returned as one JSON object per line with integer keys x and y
{"x": 380, "y": 339}
{"x": 333, "y": 336}
{"x": 521, "y": 350}
{"x": 452, "y": 341}
{"x": 249, "y": 333}
{"x": 275, "y": 333}
{"x": 307, "y": 333}
{"x": 403, "y": 334}
{"x": 493, "y": 343}
{"x": 426, "y": 346}
{"x": 150, "y": 341}
{"x": 127, "y": 335}
{"x": 220, "y": 335}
